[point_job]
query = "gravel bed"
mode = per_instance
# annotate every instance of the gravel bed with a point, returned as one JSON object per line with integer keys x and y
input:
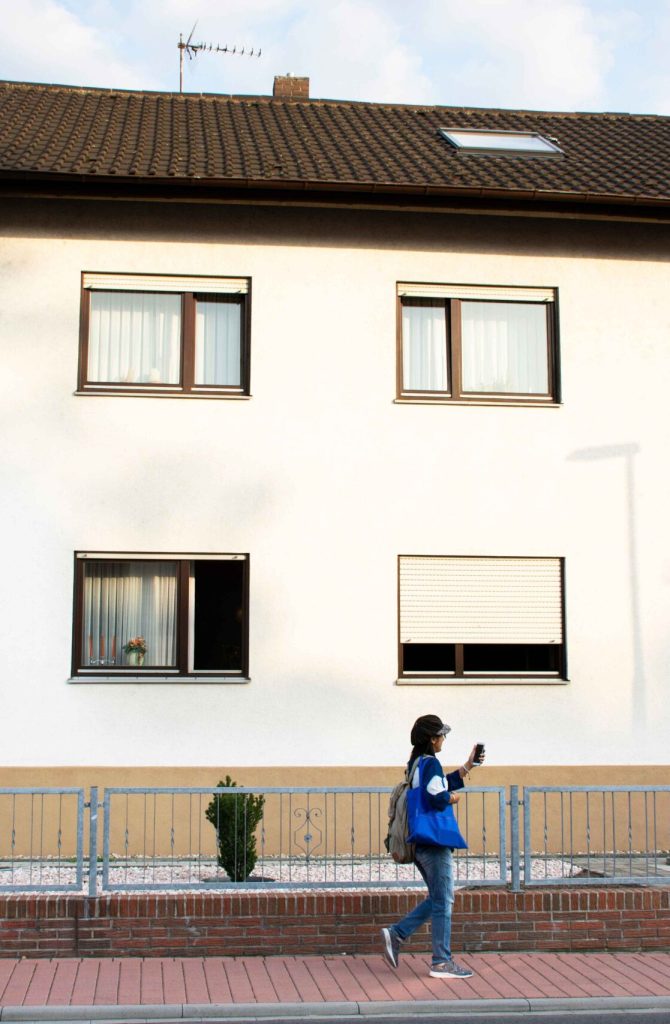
{"x": 203, "y": 875}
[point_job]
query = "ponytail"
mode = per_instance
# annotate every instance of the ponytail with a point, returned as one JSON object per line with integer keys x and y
{"x": 419, "y": 749}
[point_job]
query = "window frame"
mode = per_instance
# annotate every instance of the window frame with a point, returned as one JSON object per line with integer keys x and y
{"x": 549, "y": 147}
{"x": 453, "y": 322}
{"x": 186, "y": 387}
{"x": 180, "y": 672}
{"x": 459, "y": 677}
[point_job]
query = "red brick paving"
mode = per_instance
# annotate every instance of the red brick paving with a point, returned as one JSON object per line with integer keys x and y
{"x": 314, "y": 979}
{"x": 174, "y": 986}
{"x": 196, "y": 982}
{"x": 40, "y": 983}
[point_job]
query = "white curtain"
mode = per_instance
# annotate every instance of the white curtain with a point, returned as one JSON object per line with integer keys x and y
{"x": 217, "y": 342}
{"x": 424, "y": 348}
{"x": 504, "y": 347}
{"x": 123, "y": 600}
{"x": 134, "y": 337}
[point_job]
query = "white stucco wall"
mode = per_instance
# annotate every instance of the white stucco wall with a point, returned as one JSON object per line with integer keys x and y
{"x": 324, "y": 480}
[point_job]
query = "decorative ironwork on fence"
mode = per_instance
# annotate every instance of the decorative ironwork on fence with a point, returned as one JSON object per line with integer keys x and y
{"x": 308, "y": 837}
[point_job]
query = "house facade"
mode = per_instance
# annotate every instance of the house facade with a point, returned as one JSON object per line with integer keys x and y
{"x": 321, "y": 416}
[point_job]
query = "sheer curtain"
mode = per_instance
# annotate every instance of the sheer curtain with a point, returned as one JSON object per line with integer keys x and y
{"x": 134, "y": 337}
{"x": 218, "y": 332}
{"x": 504, "y": 347}
{"x": 123, "y": 600}
{"x": 424, "y": 347}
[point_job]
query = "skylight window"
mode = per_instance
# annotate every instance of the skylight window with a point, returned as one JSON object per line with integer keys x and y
{"x": 479, "y": 140}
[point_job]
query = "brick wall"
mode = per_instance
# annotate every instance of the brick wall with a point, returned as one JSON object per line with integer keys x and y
{"x": 319, "y": 922}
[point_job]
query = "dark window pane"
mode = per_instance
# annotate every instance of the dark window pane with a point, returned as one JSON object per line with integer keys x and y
{"x": 219, "y": 615}
{"x": 429, "y": 657}
{"x": 511, "y": 657}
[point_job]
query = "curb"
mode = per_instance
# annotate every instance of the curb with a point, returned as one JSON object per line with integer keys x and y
{"x": 294, "y": 1011}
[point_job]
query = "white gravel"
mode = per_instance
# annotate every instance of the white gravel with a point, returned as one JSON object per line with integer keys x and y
{"x": 203, "y": 875}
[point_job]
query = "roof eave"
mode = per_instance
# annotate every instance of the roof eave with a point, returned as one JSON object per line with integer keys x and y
{"x": 107, "y": 185}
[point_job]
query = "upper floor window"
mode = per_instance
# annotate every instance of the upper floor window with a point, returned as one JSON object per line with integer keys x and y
{"x": 161, "y": 614}
{"x": 164, "y": 334}
{"x": 471, "y": 343}
{"x": 478, "y": 140}
{"x": 462, "y": 617}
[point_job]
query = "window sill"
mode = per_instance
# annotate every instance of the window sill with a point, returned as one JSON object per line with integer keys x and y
{"x": 147, "y": 393}
{"x": 161, "y": 679}
{"x": 481, "y": 681}
{"x": 515, "y": 403}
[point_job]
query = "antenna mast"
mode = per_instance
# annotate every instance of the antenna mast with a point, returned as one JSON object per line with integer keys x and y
{"x": 192, "y": 49}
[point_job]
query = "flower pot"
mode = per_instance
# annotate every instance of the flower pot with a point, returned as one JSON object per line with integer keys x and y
{"x": 136, "y": 658}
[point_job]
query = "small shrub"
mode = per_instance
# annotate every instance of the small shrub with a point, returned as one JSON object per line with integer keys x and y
{"x": 235, "y": 818}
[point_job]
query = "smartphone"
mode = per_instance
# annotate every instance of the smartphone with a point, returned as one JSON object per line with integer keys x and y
{"x": 479, "y": 751}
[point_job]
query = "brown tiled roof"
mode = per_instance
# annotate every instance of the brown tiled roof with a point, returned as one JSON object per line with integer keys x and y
{"x": 86, "y": 134}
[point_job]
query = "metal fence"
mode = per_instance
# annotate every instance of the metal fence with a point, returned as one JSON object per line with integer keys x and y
{"x": 305, "y": 837}
{"x": 41, "y": 839}
{"x": 597, "y": 835}
{"x": 308, "y": 837}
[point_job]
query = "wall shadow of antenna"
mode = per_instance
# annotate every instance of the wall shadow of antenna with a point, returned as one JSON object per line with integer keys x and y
{"x": 627, "y": 453}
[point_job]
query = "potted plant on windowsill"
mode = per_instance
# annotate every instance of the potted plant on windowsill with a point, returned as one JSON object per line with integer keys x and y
{"x": 135, "y": 650}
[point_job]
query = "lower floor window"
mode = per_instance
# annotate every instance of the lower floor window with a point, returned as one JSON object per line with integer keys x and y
{"x": 161, "y": 613}
{"x": 492, "y": 617}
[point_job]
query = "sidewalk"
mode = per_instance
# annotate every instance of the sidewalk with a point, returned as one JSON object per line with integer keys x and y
{"x": 181, "y": 988}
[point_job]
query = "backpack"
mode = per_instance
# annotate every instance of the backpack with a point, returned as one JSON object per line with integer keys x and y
{"x": 396, "y": 843}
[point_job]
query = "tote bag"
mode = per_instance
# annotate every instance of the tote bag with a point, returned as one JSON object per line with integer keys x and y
{"x": 427, "y": 826}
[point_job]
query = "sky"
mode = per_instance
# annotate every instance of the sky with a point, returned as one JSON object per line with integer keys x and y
{"x": 528, "y": 54}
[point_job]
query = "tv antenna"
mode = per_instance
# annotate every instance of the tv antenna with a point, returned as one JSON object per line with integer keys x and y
{"x": 193, "y": 49}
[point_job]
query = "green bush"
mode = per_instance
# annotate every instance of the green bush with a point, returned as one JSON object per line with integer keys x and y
{"x": 235, "y": 818}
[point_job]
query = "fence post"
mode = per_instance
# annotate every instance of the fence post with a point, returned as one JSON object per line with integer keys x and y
{"x": 93, "y": 842}
{"x": 515, "y": 850}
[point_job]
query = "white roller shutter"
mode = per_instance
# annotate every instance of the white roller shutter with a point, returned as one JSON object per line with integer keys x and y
{"x": 153, "y": 556}
{"x": 480, "y": 600}
{"x": 166, "y": 283}
{"x": 468, "y": 291}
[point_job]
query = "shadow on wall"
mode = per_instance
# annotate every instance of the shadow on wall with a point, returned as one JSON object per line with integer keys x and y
{"x": 250, "y": 225}
{"x": 627, "y": 453}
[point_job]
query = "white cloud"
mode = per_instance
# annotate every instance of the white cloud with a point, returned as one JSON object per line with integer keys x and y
{"x": 557, "y": 54}
{"x": 44, "y": 41}
{"x": 551, "y": 53}
{"x": 356, "y": 50}
{"x": 653, "y": 78}
{"x": 350, "y": 50}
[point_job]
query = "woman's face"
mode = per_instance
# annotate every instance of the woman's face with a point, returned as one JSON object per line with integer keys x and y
{"x": 437, "y": 742}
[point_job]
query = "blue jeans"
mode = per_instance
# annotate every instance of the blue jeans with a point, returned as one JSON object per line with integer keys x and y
{"x": 435, "y": 865}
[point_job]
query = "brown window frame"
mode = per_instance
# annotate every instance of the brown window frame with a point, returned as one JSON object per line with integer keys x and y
{"x": 459, "y": 675}
{"x": 186, "y": 385}
{"x": 180, "y": 671}
{"x": 455, "y": 393}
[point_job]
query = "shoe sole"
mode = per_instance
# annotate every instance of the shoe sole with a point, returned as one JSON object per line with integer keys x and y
{"x": 450, "y": 977}
{"x": 388, "y": 949}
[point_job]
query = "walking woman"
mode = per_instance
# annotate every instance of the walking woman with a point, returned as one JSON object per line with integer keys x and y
{"x": 434, "y": 863}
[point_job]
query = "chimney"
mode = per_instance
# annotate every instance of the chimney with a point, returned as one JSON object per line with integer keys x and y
{"x": 286, "y": 87}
